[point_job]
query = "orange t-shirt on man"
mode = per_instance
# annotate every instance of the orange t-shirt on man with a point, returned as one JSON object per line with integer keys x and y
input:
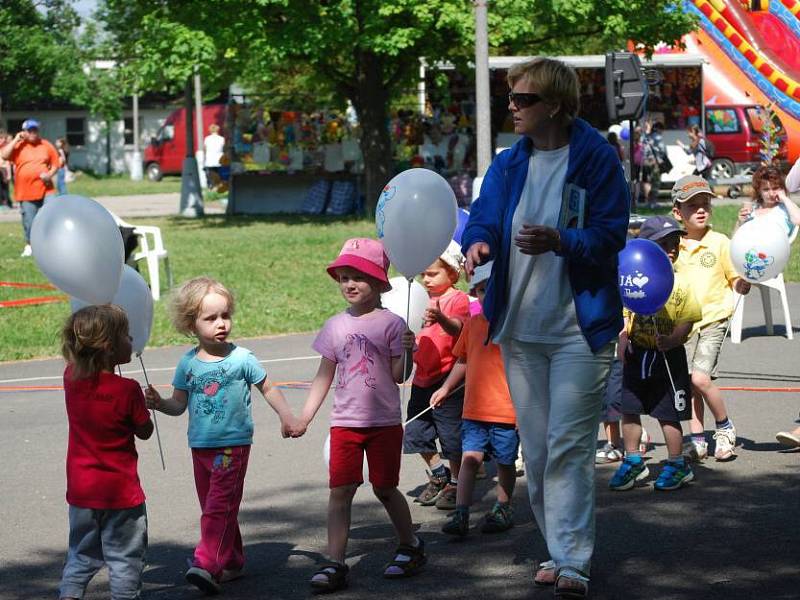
{"x": 486, "y": 395}
{"x": 30, "y": 161}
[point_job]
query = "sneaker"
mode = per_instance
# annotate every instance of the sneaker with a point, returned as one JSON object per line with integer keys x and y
{"x": 628, "y": 474}
{"x": 27, "y": 251}
{"x": 447, "y": 499}
{"x": 673, "y": 476}
{"x": 457, "y": 525}
{"x": 696, "y": 451}
{"x": 430, "y": 494}
{"x": 644, "y": 441}
{"x": 499, "y": 519}
{"x": 231, "y": 575}
{"x": 608, "y": 454}
{"x": 725, "y": 440}
{"x": 203, "y": 580}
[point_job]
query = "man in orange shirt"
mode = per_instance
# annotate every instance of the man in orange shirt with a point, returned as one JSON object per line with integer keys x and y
{"x": 35, "y": 163}
{"x": 488, "y": 423}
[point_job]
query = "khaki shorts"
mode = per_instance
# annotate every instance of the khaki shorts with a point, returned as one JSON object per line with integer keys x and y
{"x": 703, "y": 348}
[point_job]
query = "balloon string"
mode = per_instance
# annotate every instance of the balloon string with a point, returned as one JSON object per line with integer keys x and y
{"x": 735, "y": 308}
{"x": 155, "y": 420}
{"x": 430, "y": 406}
{"x": 666, "y": 362}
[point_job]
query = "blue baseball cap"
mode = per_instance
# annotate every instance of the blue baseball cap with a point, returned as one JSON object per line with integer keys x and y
{"x": 30, "y": 124}
{"x": 659, "y": 227}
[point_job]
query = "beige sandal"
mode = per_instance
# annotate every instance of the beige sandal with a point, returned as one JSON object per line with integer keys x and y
{"x": 544, "y": 574}
{"x": 571, "y": 584}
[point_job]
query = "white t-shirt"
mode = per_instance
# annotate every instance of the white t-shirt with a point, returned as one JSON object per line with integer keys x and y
{"x": 540, "y": 305}
{"x": 213, "y": 146}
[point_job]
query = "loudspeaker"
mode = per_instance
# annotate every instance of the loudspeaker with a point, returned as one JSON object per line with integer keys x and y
{"x": 626, "y": 87}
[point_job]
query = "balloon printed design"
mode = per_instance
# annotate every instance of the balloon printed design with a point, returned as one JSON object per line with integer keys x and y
{"x": 380, "y": 217}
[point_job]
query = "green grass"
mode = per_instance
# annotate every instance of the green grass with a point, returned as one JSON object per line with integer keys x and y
{"x": 275, "y": 267}
{"x": 90, "y": 185}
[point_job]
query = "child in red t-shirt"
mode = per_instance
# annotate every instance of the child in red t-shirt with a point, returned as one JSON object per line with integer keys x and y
{"x": 489, "y": 424}
{"x": 434, "y": 359}
{"x": 107, "y": 516}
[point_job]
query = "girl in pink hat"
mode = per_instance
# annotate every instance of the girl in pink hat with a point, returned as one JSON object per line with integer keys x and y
{"x": 368, "y": 350}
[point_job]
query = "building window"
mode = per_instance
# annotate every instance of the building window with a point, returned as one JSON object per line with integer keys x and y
{"x": 15, "y": 125}
{"x": 129, "y": 130}
{"x": 76, "y": 131}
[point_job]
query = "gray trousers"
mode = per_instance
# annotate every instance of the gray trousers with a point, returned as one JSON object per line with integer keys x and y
{"x": 117, "y": 538}
{"x": 29, "y": 209}
{"x": 557, "y": 391}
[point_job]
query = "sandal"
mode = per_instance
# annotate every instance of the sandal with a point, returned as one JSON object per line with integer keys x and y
{"x": 407, "y": 561}
{"x": 335, "y": 577}
{"x": 544, "y": 574}
{"x": 576, "y": 584}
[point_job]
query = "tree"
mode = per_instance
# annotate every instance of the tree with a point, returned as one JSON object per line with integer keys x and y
{"x": 367, "y": 50}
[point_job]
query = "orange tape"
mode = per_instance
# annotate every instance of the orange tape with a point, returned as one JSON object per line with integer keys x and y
{"x": 32, "y": 301}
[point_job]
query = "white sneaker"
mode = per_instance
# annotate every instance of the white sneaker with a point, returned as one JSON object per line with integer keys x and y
{"x": 232, "y": 575}
{"x": 725, "y": 443}
{"x": 203, "y": 580}
{"x": 644, "y": 441}
{"x": 28, "y": 251}
{"x": 696, "y": 450}
{"x": 608, "y": 454}
{"x": 519, "y": 464}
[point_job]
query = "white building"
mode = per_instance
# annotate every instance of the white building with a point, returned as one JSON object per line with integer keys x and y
{"x": 92, "y": 144}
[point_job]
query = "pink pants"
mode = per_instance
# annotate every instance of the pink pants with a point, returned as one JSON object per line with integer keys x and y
{"x": 219, "y": 478}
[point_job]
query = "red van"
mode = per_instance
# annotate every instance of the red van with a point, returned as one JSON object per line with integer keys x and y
{"x": 736, "y": 131}
{"x": 165, "y": 153}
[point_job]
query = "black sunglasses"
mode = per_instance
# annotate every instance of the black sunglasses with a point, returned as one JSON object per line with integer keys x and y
{"x": 523, "y": 100}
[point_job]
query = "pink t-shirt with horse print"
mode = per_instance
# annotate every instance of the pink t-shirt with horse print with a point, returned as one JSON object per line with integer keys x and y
{"x": 362, "y": 347}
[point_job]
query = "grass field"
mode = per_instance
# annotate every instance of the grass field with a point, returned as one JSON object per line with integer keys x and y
{"x": 87, "y": 184}
{"x": 274, "y": 265}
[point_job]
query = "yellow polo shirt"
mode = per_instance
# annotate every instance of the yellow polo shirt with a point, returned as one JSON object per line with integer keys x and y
{"x": 681, "y": 307}
{"x": 707, "y": 266}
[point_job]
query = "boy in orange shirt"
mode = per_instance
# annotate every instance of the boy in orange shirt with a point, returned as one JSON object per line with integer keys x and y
{"x": 488, "y": 425}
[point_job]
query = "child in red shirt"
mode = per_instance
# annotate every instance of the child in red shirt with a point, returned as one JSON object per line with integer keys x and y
{"x": 489, "y": 424}
{"x": 107, "y": 516}
{"x": 434, "y": 360}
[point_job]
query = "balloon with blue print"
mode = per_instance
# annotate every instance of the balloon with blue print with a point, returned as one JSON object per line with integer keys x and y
{"x": 645, "y": 277}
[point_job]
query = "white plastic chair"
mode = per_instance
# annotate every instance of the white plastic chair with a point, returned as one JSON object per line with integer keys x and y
{"x": 776, "y": 283}
{"x": 151, "y": 250}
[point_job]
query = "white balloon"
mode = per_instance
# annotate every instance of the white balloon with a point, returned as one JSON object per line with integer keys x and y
{"x": 326, "y": 455}
{"x": 135, "y": 298}
{"x": 397, "y": 301}
{"x": 416, "y": 217}
{"x": 759, "y": 250}
{"x": 77, "y": 245}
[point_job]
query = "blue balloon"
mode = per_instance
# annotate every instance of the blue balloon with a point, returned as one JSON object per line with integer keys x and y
{"x": 645, "y": 277}
{"x": 625, "y": 133}
{"x": 463, "y": 217}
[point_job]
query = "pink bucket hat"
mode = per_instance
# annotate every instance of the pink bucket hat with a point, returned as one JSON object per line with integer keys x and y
{"x": 363, "y": 255}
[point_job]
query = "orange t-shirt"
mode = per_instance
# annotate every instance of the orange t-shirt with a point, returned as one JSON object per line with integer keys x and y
{"x": 434, "y": 357}
{"x": 30, "y": 161}
{"x": 486, "y": 397}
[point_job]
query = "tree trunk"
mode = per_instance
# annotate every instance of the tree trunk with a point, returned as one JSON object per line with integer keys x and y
{"x": 371, "y": 101}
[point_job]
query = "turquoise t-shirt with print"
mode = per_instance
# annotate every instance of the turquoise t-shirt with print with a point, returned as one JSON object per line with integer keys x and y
{"x": 220, "y": 411}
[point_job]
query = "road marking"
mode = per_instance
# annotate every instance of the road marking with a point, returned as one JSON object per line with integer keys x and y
{"x": 157, "y": 369}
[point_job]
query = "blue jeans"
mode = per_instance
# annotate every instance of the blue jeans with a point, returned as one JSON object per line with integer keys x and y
{"x": 114, "y": 537}
{"x": 557, "y": 390}
{"x": 29, "y": 209}
{"x": 61, "y": 181}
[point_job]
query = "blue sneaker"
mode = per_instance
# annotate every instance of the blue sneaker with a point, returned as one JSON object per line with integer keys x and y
{"x": 673, "y": 476}
{"x": 628, "y": 474}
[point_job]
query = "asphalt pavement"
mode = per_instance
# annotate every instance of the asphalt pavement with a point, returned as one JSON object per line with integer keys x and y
{"x": 731, "y": 534}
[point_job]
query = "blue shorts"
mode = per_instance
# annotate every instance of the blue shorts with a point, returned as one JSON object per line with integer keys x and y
{"x": 499, "y": 440}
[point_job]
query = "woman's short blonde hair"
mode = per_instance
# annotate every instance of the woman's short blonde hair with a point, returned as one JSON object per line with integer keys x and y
{"x": 555, "y": 82}
{"x": 90, "y": 337}
{"x": 186, "y": 301}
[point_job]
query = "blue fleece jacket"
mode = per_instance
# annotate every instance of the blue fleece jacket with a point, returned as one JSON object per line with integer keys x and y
{"x": 591, "y": 252}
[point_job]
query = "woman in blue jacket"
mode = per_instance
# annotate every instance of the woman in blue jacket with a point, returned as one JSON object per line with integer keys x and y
{"x": 553, "y": 214}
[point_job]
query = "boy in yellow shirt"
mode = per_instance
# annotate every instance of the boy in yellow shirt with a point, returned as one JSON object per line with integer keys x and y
{"x": 655, "y": 379}
{"x": 705, "y": 259}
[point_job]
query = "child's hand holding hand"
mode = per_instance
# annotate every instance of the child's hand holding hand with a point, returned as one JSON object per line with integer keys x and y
{"x": 152, "y": 398}
{"x": 409, "y": 339}
{"x": 291, "y": 426}
{"x": 742, "y": 287}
